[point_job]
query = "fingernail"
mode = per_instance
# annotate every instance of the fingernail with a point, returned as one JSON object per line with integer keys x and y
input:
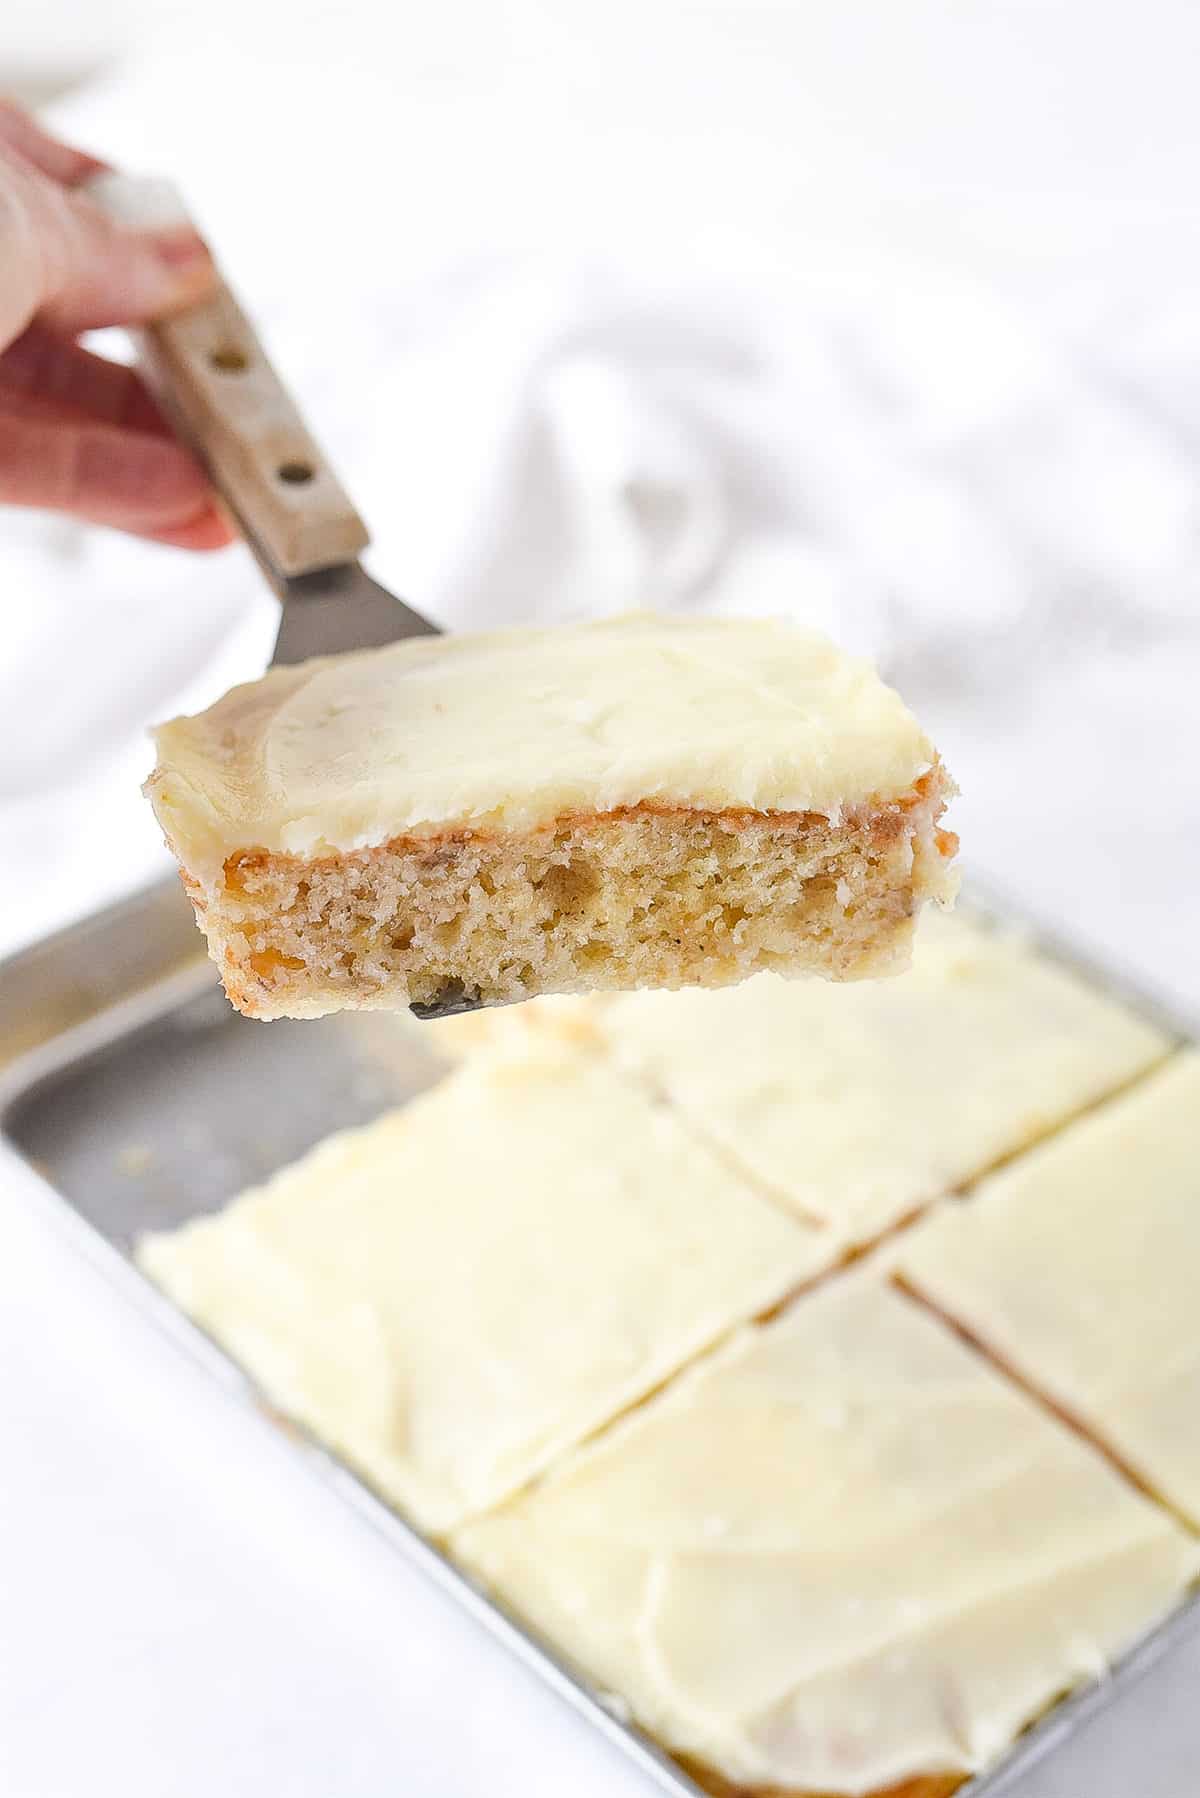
{"x": 188, "y": 264}
{"x": 184, "y": 251}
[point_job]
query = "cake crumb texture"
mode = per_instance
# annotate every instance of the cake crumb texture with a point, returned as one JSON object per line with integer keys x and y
{"x": 640, "y": 899}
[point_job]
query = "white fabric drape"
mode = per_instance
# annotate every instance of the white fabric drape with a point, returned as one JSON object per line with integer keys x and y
{"x": 884, "y": 317}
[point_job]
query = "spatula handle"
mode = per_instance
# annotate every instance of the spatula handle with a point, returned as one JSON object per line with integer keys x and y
{"x": 216, "y": 383}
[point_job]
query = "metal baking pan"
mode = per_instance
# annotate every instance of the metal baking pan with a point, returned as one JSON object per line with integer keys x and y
{"x": 139, "y": 1099}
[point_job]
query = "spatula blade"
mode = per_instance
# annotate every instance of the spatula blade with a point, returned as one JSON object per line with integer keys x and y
{"x": 337, "y": 609}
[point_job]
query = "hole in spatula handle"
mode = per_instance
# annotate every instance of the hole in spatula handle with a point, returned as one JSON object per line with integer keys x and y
{"x": 229, "y": 359}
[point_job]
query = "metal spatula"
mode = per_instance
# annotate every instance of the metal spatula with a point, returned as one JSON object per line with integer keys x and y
{"x": 215, "y": 382}
{"x": 213, "y": 379}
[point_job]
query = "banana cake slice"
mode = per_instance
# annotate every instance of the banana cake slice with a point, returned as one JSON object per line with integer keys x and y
{"x": 644, "y": 801}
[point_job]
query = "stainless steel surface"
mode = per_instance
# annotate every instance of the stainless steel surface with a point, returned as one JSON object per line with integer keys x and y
{"x": 340, "y": 608}
{"x": 142, "y": 1065}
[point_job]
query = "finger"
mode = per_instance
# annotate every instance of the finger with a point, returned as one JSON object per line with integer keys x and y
{"x": 97, "y": 272}
{"x": 58, "y": 160}
{"x": 55, "y": 375}
{"x": 208, "y": 532}
{"x": 38, "y": 408}
{"x": 63, "y": 260}
{"x": 108, "y": 476}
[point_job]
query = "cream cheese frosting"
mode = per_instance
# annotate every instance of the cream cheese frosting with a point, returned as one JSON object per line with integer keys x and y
{"x": 1080, "y": 1267}
{"x": 508, "y": 730}
{"x": 855, "y": 1104}
{"x": 453, "y": 1295}
{"x": 840, "y": 1552}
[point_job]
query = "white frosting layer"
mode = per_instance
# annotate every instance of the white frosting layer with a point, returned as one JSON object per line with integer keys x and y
{"x": 839, "y": 1553}
{"x": 1080, "y": 1265}
{"x": 511, "y": 729}
{"x": 857, "y": 1103}
{"x": 455, "y": 1294}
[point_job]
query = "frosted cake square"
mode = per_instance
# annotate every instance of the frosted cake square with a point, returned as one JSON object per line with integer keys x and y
{"x": 647, "y": 801}
{"x": 841, "y": 1555}
{"x": 1079, "y": 1267}
{"x": 856, "y": 1106}
{"x": 456, "y": 1293}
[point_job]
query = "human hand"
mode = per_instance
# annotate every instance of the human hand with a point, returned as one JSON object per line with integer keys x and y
{"x": 79, "y": 434}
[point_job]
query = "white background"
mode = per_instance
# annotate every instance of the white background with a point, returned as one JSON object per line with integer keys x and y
{"x": 881, "y": 315}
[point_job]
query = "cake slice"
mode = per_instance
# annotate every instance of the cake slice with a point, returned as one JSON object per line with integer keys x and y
{"x": 841, "y": 1555}
{"x": 855, "y": 1107}
{"x": 1079, "y": 1267}
{"x": 453, "y": 1295}
{"x": 647, "y": 801}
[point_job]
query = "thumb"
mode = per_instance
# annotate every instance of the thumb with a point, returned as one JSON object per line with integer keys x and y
{"x": 99, "y": 272}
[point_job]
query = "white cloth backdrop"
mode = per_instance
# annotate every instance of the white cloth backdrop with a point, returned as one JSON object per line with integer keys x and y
{"x": 892, "y": 328}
